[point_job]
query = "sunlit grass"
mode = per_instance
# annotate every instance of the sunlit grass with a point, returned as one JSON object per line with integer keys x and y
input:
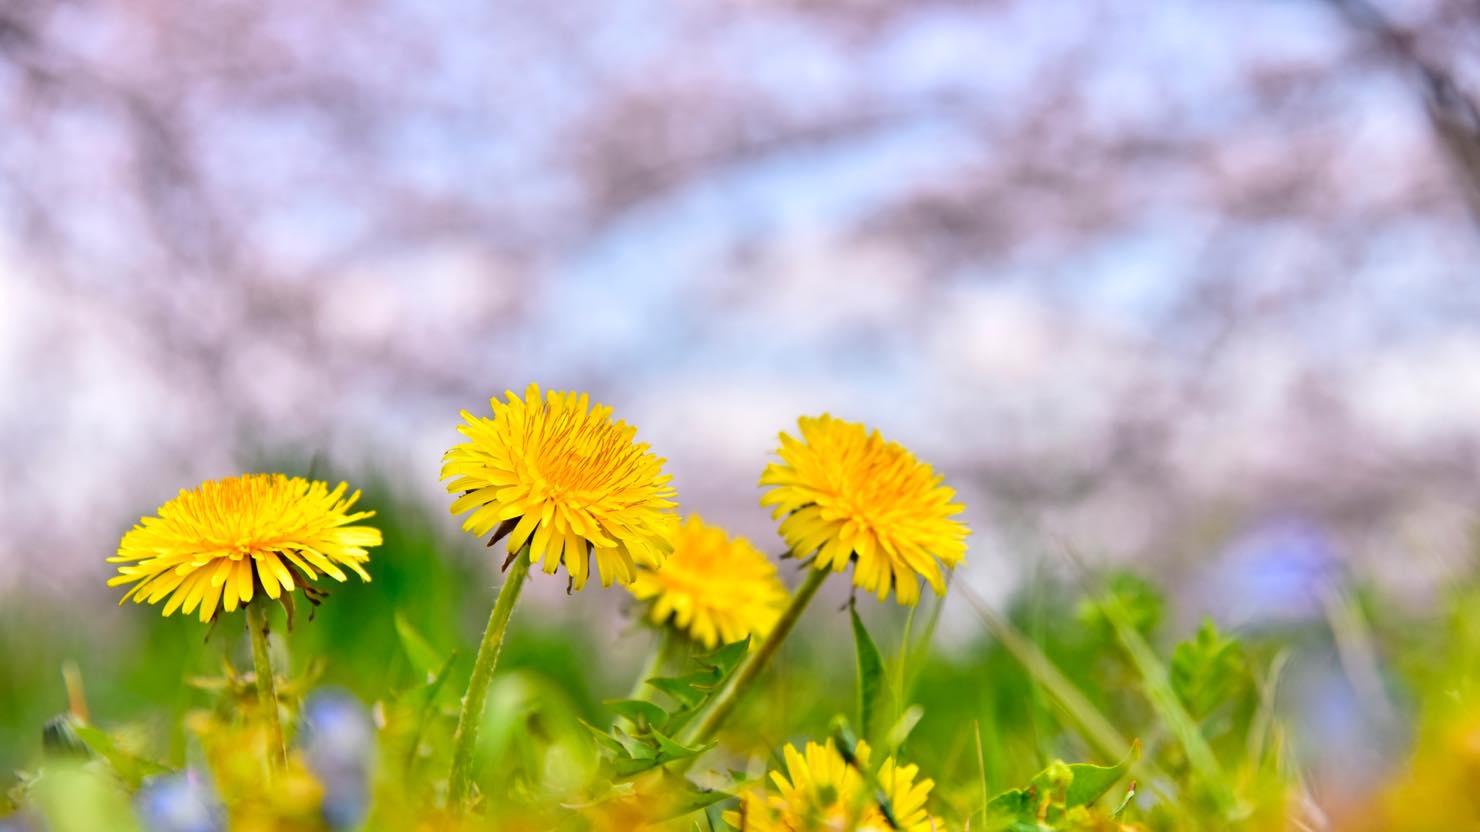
{"x": 1077, "y": 706}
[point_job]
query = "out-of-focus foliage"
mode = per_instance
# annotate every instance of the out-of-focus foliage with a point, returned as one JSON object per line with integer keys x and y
{"x": 159, "y": 734}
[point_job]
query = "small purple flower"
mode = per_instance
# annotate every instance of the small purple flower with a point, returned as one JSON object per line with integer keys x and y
{"x": 338, "y": 739}
{"x": 1275, "y": 571}
{"x": 179, "y": 803}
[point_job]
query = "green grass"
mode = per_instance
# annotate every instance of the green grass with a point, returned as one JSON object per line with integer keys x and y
{"x": 1088, "y": 672}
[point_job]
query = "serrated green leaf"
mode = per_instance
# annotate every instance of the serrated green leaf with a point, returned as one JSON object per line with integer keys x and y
{"x": 688, "y": 690}
{"x": 725, "y": 658}
{"x": 605, "y": 740}
{"x": 635, "y": 747}
{"x": 628, "y": 767}
{"x": 670, "y": 749}
{"x": 639, "y": 711}
{"x": 1208, "y": 670}
{"x": 654, "y": 725}
{"x": 1143, "y": 604}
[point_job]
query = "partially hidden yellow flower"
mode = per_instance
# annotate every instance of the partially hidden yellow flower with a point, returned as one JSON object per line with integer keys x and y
{"x": 647, "y": 803}
{"x": 558, "y": 474}
{"x": 848, "y": 494}
{"x": 714, "y": 588}
{"x": 820, "y": 790}
{"x": 255, "y": 800}
{"x": 216, "y": 546}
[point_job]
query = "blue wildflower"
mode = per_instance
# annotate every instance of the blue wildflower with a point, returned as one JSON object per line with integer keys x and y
{"x": 338, "y": 740}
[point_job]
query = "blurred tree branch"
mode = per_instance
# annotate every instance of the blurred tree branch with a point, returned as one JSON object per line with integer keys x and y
{"x": 1452, "y": 111}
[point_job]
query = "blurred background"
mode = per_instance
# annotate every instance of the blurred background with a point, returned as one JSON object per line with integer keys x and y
{"x": 1187, "y": 286}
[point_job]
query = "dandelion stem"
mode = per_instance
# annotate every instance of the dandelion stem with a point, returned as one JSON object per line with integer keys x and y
{"x": 465, "y": 740}
{"x": 266, "y": 684}
{"x": 664, "y": 652}
{"x": 749, "y": 672}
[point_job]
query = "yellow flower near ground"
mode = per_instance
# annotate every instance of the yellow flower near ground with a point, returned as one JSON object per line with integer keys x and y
{"x": 558, "y": 474}
{"x": 216, "y": 546}
{"x": 822, "y": 792}
{"x": 714, "y": 588}
{"x": 252, "y": 799}
{"x": 847, "y": 494}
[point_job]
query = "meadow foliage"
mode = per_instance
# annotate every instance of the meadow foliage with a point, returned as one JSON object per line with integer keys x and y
{"x": 1074, "y": 709}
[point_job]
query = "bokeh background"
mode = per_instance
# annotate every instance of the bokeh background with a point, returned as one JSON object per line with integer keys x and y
{"x": 1189, "y": 286}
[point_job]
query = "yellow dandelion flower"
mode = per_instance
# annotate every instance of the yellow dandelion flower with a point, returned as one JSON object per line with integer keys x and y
{"x": 715, "y": 588}
{"x": 560, "y": 475}
{"x": 253, "y": 800}
{"x": 848, "y": 494}
{"x": 647, "y": 804}
{"x": 822, "y": 791}
{"x": 221, "y": 543}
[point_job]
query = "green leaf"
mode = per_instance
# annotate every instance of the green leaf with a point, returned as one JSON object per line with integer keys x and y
{"x": 639, "y": 711}
{"x": 130, "y": 767}
{"x": 725, "y": 658}
{"x": 1012, "y": 803}
{"x": 1142, "y": 604}
{"x": 423, "y": 701}
{"x": 669, "y": 749}
{"x": 1091, "y": 782}
{"x": 1059, "y": 788}
{"x": 424, "y": 657}
{"x": 903, "y": 727}
{"x": 688, "y": 690}
{"x": 1157, "y": 687}
{"x": 606, "y": 740}
{"x": 642, "y": 739}
{"x": 634, "y": 746}
{"x": 629, "y": 767}
{"x": 1208, "y": 670}
{"x": 72, "y": 796}
{"x": 873, "y": 690}
{"x": 642, "y": 756}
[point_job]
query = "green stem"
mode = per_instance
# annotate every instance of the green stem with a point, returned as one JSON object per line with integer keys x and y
{"x": 266, "y": 684}
{"x": 902, "y": 669}
{"x": 750, "y": 671}
{"x": 465, "y": 739}
{"x": 663, "y": 653}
